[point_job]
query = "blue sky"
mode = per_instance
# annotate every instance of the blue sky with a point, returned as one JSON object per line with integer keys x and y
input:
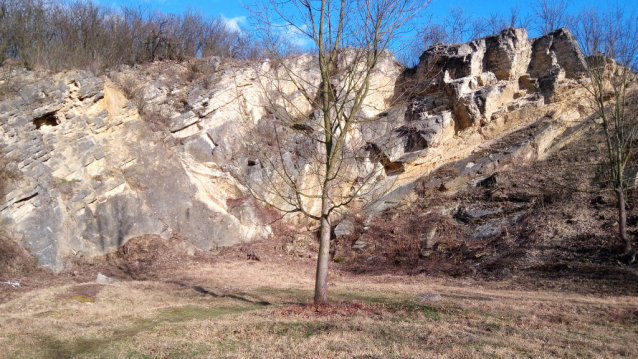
{"x": 236, "y": 14}
{"x": 235, "y": 9}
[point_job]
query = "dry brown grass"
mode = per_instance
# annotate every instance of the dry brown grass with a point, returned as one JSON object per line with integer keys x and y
{"x": 247, "y": 309}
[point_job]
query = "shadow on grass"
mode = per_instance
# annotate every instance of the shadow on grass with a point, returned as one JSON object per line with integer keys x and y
{"x": 242, "y": 297}
{"x": 231, "y": 296}
{"x": 59, "y": 349}
{"x": 102, "y": 345}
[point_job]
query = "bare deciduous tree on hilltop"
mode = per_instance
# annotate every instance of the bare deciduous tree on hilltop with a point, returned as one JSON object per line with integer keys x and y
{"x": 550, "y": 15}
{"x": 458, "y": 26}
{"x": 84, "y": 34}
{"x": 349, "y": 38}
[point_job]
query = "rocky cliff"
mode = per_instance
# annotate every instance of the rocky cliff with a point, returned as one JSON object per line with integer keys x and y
{"x": 89, "y": 168}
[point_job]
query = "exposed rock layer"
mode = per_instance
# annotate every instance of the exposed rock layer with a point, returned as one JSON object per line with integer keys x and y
{"x": 90, "y": 173}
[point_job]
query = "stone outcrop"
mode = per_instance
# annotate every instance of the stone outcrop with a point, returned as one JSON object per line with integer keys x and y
{"x": 91, "y": 173}
{"x": 492, "y": 90}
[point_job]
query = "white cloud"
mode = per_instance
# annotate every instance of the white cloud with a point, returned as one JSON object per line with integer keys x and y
{"x": 234, "y": 22}
{"x": 295, "y": 35}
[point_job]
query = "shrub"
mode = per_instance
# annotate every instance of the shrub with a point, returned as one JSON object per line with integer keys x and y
{"x": 133, "y": 90}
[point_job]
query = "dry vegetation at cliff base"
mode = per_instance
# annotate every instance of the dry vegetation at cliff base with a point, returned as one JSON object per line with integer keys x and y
{"x": 246, "y": 309}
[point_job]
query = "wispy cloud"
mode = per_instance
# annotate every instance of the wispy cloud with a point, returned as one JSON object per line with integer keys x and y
{"x": 295, "y": 35}
{"x": 235, "y": 22}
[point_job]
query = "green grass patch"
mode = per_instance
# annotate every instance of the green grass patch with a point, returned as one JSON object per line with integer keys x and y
{"x": 83, "y": 299}
{"x": 99, "y": 346}
{"x": 303, "y": 329}
{"x": 399, "y": 304}
{"x": 63, "y": 181}
{"x": 285, "y": 296}
{"x": 190, "y": 312}
{"x": 411, "y": 307}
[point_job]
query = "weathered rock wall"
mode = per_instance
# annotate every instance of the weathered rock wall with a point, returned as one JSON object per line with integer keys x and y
{"x": 91, "y": 173}
{"x": 467, "y": 95}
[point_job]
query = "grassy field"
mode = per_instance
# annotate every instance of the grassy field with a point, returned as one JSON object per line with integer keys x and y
{"x": 239, "y": 309}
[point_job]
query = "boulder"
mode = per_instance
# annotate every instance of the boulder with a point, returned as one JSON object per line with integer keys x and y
{"x": 360, "y": 244}
{"x": 101, "y": 278}
{"x": 507, "y": 54}
{"x": 558, "y": 48}
{"x": 200, "y": 146}
{"x": 345, "y": 228}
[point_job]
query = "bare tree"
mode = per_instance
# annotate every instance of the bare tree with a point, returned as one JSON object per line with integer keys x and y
{"x": 550, "y": 14}
{"x": 498, "y": 22}
{"x": 57, "y": 34}
{"x": 432, "y": 33}
{"x": 457, "y": 25}
{"x": 4, "y": 31}
{"x": 610, "y": 40}
{"x": 348, "y": 38}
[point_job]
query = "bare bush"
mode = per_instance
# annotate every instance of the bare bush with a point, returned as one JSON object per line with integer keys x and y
{"x": 610, "y": 41}
{"x": 459, "y": 26}
{"x": 84, "y": 34}
{"x": 133, "y": 90}
{"x": 8, "y": 173}
{"x": 157, "y": 120}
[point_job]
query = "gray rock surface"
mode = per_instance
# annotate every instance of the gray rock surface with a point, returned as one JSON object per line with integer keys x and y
{"x": 345, "y": 228}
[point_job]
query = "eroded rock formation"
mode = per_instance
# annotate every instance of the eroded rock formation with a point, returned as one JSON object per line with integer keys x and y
{"x": 90, "y": 173}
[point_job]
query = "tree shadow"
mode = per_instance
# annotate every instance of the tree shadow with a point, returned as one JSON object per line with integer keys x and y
{"x": 205, "y": 291}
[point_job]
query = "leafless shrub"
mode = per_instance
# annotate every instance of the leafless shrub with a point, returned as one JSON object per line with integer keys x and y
{"x": 8, "y": 173}
{"x": 202, "y": 70}
{"x": 157, "y": 120}
{"x": 550, "y": 15}
{"x": 208, "y": 82}
{"x": 133, "y": 90}
{"x": 14, "y": 259}
{"x": 8, "y": 84}
{"x": 84, "y": 34}
{"x": 396, "y": 241}
{"x": 460, "y": 26}
{"x": 447, "y": 171}
{"x": 194, "y": 71}
{"x": 7, "y": 89}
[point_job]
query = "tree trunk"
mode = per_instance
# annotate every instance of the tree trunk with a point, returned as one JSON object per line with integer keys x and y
{"x": 321, "y": 282}
{"x": 622, "y": 222}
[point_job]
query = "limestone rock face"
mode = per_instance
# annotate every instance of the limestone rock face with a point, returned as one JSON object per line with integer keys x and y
{"x": 90, "y": 174}
{"x": 90, "y": 169}
{"x": 507, "y": 54}
{"x": 465, "y": 96}
{"x": 557, "y": 49}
